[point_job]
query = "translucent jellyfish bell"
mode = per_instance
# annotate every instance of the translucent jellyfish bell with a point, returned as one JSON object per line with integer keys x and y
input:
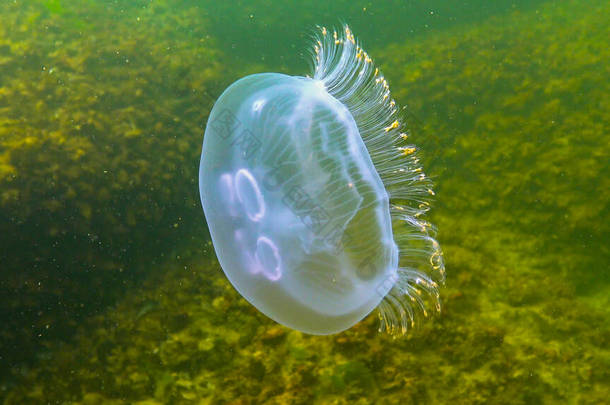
{"x": 313, "y": 202}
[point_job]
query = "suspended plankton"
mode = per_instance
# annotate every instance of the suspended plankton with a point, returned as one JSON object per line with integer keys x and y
{"x": 314, "y": 198}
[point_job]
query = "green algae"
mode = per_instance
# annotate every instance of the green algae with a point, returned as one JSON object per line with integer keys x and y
{"x": 512, "y": 117}
{"x": 101, "y": 105}
{"x": 526, "y": 125}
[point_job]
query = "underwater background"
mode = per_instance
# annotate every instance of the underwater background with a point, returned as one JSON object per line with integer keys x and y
{"x": 110, "y": 292}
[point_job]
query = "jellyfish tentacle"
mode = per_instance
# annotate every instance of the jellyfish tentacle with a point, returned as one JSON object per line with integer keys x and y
{"x": 349, "y": 74}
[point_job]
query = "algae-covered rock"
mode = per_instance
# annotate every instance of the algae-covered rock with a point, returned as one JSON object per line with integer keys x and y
{"x": 518, "y": 120}
{"x": 102, "y": 106}
{"x": 512, "y": 115}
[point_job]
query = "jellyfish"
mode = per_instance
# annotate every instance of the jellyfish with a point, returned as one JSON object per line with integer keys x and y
{"x": 314, "y": 198}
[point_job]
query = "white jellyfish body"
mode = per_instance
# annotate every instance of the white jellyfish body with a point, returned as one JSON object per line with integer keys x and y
{"x": 303, "y": 182}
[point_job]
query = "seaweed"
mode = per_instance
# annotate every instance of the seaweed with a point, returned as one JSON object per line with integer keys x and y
{"x": 101, "y": 114}
{"x": 512, "y": 116}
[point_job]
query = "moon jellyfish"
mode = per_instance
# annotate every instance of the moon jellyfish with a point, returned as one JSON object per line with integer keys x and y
{"x": 315, "y": 199}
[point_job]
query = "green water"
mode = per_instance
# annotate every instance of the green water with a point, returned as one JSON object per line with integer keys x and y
{"x": 109, "y": 287}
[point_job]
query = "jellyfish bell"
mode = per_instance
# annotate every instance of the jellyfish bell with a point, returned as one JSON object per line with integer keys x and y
{"x": 314, "y": 199}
